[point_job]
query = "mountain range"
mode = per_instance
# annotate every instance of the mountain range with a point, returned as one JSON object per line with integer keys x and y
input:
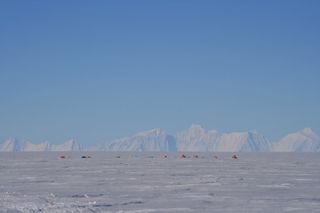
{"x": 194, "y": 139}
{"x": 14, "y": 145}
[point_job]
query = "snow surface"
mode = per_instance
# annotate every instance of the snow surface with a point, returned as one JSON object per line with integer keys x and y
{"x": 151, "y": 182}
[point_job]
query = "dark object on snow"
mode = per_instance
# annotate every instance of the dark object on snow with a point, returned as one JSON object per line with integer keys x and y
{"x": 196, "y": 156}
{"x": 83, "y": 156}
{"x": 118, "y": 156}
{"x": 166, "y": 156}
{"x": 62, "y": 157}
{"x": 183, "y": 156}
{"x": 234, "y": 157}
{"x": 215, "y": 157}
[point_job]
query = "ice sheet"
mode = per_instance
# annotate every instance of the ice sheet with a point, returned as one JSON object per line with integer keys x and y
{"x": 151, "y": 182}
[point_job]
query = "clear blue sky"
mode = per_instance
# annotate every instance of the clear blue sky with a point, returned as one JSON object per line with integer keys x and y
{"x": 99, "y": 70}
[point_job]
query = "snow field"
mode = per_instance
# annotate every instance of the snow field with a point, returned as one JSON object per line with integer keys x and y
{"x": 151, "y": 182}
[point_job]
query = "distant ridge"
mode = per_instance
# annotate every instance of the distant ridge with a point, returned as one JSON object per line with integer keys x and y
{"x": 14, "y": 145}
{"x": 305, "y": 140}
{"x": 152, "y": 140}
{"x": 193, "y": 139}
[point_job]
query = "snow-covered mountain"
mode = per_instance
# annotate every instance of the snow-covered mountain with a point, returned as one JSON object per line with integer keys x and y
{"x": 242, "y": 142}
{"x": 14, "y": 145}
{"x": 30, "y": 147}
{"x": 152, "y": 140}
{"x": 11, "y": 145}
{"x": 70, "y": 145}
{"x": 196, "y": 139}
{"x": 305, "y": 140}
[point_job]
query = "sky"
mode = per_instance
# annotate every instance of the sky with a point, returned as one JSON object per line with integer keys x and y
{"x": 100, "y": 70}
